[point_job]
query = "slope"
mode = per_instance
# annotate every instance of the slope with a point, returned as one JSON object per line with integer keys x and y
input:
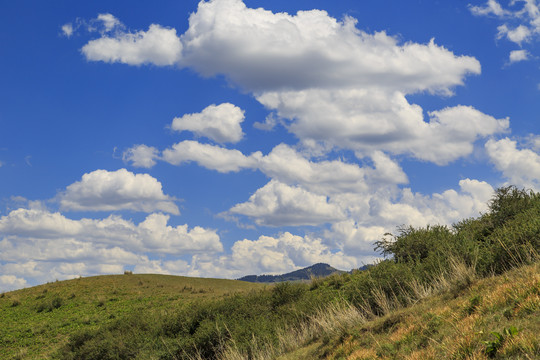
{"x": 37, "y": 321}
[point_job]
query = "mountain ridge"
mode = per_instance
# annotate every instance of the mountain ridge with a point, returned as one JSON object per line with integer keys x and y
{"x": 307, "y": 273}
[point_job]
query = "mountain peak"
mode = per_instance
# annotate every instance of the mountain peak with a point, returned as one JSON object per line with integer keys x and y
{"x": 315, "y": 270}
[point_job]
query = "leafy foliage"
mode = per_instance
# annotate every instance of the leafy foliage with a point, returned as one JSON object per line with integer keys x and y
{"x": 419, "y": 262}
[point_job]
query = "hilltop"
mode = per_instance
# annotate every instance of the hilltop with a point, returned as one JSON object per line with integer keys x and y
{"x": 307, "y": 273}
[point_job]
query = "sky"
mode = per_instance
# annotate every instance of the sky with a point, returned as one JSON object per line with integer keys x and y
{"x": 224, "y": 138}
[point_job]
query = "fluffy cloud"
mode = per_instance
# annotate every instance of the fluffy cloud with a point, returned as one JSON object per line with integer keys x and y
{"x": 220, "y": 123}
{"x": 520, "y": 24}
{"x": 337, "y": 84}
{"x": 517, "y": 35}
{"x": 159, "y": 46}
{"x": 67, "y": 30}
{"x": 491, "y": 7}
{"x": 272, "y": 255}
{"x": 109, "y": 21}
{"x": 37, "y": 244}
{"x": 288, "y": 166}
{"x": 11, "y": 282}
{"x": 103, "y": 190}
{"x": 141, "y": 156}
{"x": 277, "y": 204}
{"x": 518, "y": 55}
{"x": 520, "y": 167}
{"x": 308, "y": 43}
{"x": 367, "y": 121}
{"x": 153, "y": 235}
{"x": 210, "y": 156}
{"x": 445, "y": 208}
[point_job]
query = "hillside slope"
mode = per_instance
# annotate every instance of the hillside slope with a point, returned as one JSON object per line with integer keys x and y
{"x": 496, "y": 317}
{"x": 37, "y": 321}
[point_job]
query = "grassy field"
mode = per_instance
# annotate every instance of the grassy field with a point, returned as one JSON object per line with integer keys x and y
{"x": 496, "y": 317}
{"x": 469, "y": 291}
{"x": 37, "y": 321}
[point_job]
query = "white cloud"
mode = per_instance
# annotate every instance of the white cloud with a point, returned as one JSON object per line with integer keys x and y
{"x": 368, "y": 121}
{"x": 141, "y": 156}
{"x": 41, "y": 228}
{"x": 288, "y": 166}
{"x": 277, "y": 204}
{"x": 11, "y": 282}
{"x": 491, "y": 7}
{"x": 261, "y": 50}
{"x": 159, "y": 46}
{"x": 519, "y": 24}
{"x": 420, "y": 210}
{"x": 38, "y": 245}
{"x": 220, "y": 123}
{"x": 272, "y": 255}
{"x": 67, "y": 30}
{"x": 520, "y": 167}
{"x": 209, "y": 156}
{"x": 517, "y": 35}
{"x": 103, "y": 190}
{"x": 109, "y": 21}
{"x": 518, "y": 55}
{"x": 337, "y": 84}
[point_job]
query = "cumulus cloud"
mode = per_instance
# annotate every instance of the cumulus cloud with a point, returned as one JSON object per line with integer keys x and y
{"x": 141, "y": 156}
{"x": 272, "y": 255}
{"x": 277, "y": 204}
{"x": 103, "y": 190}
{"x": 311, "y": 42}
{"x": 209, "y": 156}
{"x": 492, "y": 7}
{"x": 36, "y": 244}
{"x": 220, "y": 123}
{"x": 334, "y": 82}
{"x": 67, "y": 29}
{"x": 368, "y": 121}
{"x": 109, "y": 21}
{"x": 517, "y": 35}
{"x": 11, "y": 282}
{"x": 159, "y": 46}
{"x": 520, "y": 166}
{"x": 521, "y": 24}
{"x": 518, "y": 55}
{"x": 440, "y": 208}
{"x": 288, "y": 166}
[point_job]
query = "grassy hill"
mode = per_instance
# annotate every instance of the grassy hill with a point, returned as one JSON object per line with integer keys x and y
{"x": 37, "y": 321}
{"x": 469, "y": 291}
{"x": 494, "y": 317}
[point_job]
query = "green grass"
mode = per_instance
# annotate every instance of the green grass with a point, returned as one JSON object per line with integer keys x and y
{"x": 469, "y": 291}
{"x": 504, "y": 324}
{"x": 37, "y": 321}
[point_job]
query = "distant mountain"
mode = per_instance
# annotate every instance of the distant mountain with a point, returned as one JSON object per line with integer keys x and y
{"x": 317, "y": 270}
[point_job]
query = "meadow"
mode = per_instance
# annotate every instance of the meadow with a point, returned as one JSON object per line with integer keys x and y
{"x": 468, "y": 291}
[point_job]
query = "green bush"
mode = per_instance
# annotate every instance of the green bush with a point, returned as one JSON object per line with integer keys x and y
{"x": 507, "y": 235}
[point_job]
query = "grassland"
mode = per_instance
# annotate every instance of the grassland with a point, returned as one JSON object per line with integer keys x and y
{"x": 37, "y": 321}
{"x": 469, "y": 291}
{"x": 495, "y": 317}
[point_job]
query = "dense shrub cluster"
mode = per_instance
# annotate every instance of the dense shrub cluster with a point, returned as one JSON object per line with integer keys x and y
{"x": 418, "y": 260}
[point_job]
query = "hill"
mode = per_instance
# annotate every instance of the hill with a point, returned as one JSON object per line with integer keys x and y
{"x": 308, "y": 273}
{"x": 37, "y": 321}
{"x": 469, "y": 291}
{"x": 495, "y": 317}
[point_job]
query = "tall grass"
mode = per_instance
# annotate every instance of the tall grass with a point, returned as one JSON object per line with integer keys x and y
{"x": 261, "y": 325}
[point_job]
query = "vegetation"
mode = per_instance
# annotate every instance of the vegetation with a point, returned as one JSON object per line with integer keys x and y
{"x": 467, "y": 291}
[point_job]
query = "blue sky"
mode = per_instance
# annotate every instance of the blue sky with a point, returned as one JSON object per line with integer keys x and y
{"x": 226, "y": 138}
